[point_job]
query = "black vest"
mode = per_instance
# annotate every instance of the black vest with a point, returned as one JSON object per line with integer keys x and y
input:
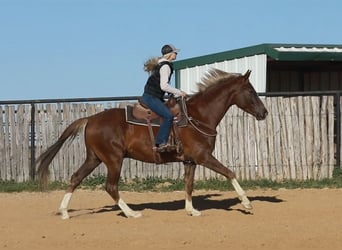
{"x": 152, "y": 86}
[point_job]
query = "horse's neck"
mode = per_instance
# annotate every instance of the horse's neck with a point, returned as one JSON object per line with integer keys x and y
{"x": 210, "y": 108}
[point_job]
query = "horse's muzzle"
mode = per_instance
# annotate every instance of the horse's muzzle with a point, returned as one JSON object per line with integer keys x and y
{"x": 262, "y": 115}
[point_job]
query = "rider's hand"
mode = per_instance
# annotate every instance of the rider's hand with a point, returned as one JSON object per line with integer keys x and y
{"x": 182, "y": 93}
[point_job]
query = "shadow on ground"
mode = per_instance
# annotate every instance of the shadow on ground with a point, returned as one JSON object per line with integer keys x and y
{"x": 201, "y": 202}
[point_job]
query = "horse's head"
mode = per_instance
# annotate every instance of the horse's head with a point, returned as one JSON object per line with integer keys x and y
{"x": 247, "y": 98}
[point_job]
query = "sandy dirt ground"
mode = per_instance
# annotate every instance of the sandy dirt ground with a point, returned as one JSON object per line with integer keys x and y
{"x": 281, "y": 219}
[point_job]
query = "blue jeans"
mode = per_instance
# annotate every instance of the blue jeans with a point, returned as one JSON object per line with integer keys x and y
{"x": 158, "y": 106}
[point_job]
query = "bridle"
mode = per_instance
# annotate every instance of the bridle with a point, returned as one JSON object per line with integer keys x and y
{"x": 193, "y": 121}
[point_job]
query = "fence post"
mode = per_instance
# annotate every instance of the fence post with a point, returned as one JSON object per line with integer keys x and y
{"x": 32, "y": 142}
{"x": 338, "y": 129}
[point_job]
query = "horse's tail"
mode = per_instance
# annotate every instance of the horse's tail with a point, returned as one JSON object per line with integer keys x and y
{"x": 46, "y": 158}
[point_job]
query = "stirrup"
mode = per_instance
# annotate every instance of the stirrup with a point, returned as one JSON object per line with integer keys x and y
{"x": 166, "y": 148}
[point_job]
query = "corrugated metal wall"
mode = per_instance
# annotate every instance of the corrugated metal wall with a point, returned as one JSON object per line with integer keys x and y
{"x": 257, "y": 63}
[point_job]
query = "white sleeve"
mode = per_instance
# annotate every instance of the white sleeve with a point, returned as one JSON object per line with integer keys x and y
{"x": 165, "y": 72}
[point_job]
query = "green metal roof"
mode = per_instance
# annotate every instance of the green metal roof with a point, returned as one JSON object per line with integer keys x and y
{"x": 280, "y": 52}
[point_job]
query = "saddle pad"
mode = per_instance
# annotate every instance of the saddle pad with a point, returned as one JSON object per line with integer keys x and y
{"x": 133, "y": 120}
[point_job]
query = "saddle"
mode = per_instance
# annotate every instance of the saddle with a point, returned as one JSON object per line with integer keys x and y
{"x": 140, "y": 114}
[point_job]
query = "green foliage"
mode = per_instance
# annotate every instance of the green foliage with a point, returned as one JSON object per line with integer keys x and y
{"x": 27, "y": 186}
{"x": 12, "y": 186}
{"x": 151, "y": 184}
{"x": 94, "y": 182}
{"x": 165, "y": 185}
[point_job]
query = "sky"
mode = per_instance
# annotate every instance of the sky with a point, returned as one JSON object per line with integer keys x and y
{"x": 96, "y": 48}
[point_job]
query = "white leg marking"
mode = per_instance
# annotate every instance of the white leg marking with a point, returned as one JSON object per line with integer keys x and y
{"x": 127, "y": 211}
{"x": 63, "y": 208}
{"x": 190, "y": 209}
{"x": 242, "y": 195}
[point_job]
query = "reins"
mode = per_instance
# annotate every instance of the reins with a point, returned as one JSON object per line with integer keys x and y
{"x": 193, "y": 121}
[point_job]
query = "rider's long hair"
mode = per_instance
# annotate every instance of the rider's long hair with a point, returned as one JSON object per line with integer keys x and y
{"x": 151, "y": 63}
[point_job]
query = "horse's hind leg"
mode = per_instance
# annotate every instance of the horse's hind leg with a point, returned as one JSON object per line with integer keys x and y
{"x": 112, "y": 185}
{"x": 87, "y": 167}
{"x": 189, "y": 175}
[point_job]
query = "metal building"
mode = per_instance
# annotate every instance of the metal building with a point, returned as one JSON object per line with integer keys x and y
{"x": 275, "y": 67}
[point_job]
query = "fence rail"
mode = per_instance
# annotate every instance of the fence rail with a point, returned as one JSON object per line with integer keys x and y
{"x": 299, "y": 140}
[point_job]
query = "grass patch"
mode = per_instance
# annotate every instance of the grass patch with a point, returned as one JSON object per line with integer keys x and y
{"x": 27, "y": 186}
{"x": 167, "y": 185}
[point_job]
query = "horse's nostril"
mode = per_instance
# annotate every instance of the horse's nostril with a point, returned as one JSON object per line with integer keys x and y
{"x": 262, "y": 115}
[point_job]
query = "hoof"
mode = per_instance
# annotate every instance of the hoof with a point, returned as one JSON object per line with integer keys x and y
{"x": 194, "y": 212}
{"x": 246, "y": 203}
{"x": 64, "y": 214}
{"x": 134, "y": 214}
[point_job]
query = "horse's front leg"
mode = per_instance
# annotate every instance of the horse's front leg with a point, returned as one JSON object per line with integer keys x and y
{"x": 212, "y": 163}
{"x": 189, "y": 175}
{"x": 242, "y": 195}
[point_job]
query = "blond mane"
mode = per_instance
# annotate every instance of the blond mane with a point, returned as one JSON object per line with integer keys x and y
{"x": 212, "y": 77}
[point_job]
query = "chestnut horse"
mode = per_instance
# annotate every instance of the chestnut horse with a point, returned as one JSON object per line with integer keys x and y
{"x": 110, "y": 139}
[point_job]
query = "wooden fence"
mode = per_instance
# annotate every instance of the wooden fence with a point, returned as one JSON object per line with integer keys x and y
{"x": 296, "y": 141}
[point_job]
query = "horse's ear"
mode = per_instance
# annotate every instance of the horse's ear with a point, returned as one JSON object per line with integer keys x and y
{"x": 247, "y": 74}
